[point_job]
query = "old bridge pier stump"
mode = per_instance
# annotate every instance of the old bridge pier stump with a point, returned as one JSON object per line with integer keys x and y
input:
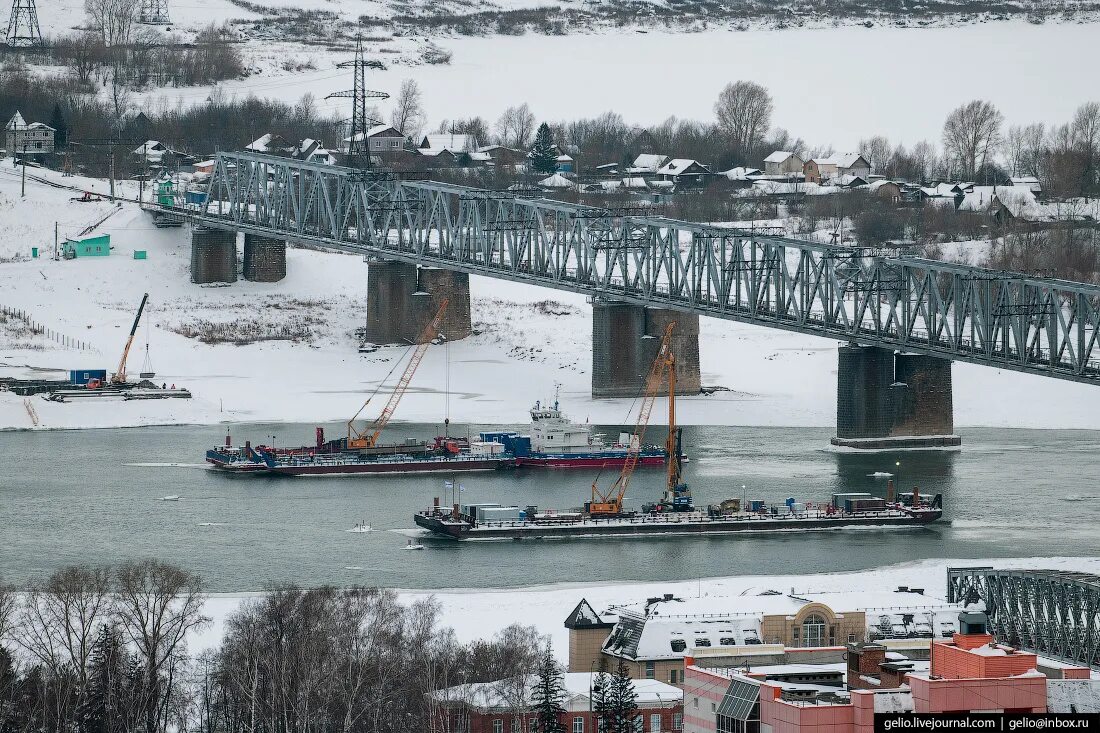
{"x": 625, "y": 338}
{"x": 402, "y": 298}
{"x": 893, "y": 400}
{"x": 264, "y": 259}
{"x": 213, "y": 255}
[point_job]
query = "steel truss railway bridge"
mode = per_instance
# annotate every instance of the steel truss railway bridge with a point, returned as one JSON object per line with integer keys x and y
{"x": 875, "y": 298}
{"x": 1052, "y": 613}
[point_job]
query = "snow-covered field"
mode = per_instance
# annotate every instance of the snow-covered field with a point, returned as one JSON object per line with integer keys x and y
{"x": 774, "y": 377}
{"x": 479, "y": 614}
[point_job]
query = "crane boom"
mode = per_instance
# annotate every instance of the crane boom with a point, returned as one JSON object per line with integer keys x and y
{"x": 119, "y": 377}
{"x": 363, "y": 439}
{"x": 611, "y": 501}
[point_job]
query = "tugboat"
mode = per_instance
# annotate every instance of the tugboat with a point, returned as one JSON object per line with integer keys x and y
{"x": 557, "y": 442}
{"x": 604, "y": 515}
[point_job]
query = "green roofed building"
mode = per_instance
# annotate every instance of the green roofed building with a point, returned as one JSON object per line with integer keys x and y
{"x": 98, "y": 245}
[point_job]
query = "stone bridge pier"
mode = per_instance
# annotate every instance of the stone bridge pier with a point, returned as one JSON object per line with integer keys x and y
{"x": 402, "y": 298}
{"x": 886, "y": 399}
{"x": 625, "y": 339}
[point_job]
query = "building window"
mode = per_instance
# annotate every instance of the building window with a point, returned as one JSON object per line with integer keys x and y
{"x": 498, "y": 726}
{"x": 638, "y": 724}
{"x": 515, "y": 724}
{"x": 650, "y": 670}
{"x": 813, "y": 631}
{"x": 677, "y": 721}
{"x": 672, "y": 676}
{"x": 851, "y": 638}
{"x": 395, "y": 144}
{"x": 655, "y": 722}
{"x": 578, "y": 724}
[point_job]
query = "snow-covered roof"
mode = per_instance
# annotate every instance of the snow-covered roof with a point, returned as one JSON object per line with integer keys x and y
{"x": 480, "y": 157}
{"x": 846, "y": 179}
{"x": 149, "y": 146}
{"x": 847, "y": 160}
{"x": 386, "y": 130}
{"x": 662, "y": 185}
{"x": 635, "y": 182}
{"x": 676, "y": 166}
{"x": 665, "y": 629}
{"x": 1030, "y": 182}
{"x": 16, "y": 122}
{"x": 205, "y": 163}
{"x": 488, "y": 696}
{"x": 648, "y": 162}
{"x": 823, "y": 161}
{"x": 39, "y": 126}
{"x": 894, "y": 701}
{"x": 563, "y": 158}
{"x": 741, "y": 173}
{"x": 1073, "y": 696}
{"x": 556, "y": 181}
{"x": 879, "y": 184}
{"x": 456, "y": 143}
{"x": 778, "y": 156}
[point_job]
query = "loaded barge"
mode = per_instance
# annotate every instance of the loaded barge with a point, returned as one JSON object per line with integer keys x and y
{"x": 464, "y": 523}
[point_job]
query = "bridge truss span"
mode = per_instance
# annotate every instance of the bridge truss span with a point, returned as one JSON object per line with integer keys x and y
{"x": 880, "y": 298}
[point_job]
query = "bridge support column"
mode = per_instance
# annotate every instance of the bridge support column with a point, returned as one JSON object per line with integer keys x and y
{"x": 887, "y": 400}
{"x": 625, "y": 339}
{"x": 264, "y": 259}
{"x": 213, "y": 256}
{"x": 402, "y": 298}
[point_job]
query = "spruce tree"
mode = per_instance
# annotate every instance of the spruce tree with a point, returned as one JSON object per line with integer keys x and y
{"x": 543, "y": 159}
{"x": 61, "y": 128}
{"x": 601, "y": 689}
{"x": 622, "y": 701}
{"x": 99, "y": 709}
{"x": 547, "y": 694}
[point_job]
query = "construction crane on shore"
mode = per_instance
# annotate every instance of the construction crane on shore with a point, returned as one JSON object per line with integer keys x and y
{"x": 119, "y": 377}
{"x": 610, "y": 503}
{"x": 368, "y": 436}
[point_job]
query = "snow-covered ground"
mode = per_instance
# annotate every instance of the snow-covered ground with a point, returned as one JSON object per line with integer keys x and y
{"x": 522, "y": 350}
{"x": 479, "y": 614}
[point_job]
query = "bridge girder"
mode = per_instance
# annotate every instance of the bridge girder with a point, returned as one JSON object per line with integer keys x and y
{"x": 1000, "y": 319}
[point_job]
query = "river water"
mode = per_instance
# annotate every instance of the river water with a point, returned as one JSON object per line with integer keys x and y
{"x": 94, "y": 496}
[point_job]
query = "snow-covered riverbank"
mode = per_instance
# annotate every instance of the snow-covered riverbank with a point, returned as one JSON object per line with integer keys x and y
{"x": 522, "y": 350}
{"x": 479, "y": 614}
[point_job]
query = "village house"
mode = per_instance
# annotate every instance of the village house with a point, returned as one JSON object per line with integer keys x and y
{"x": 1029, "y": 182}
{"x": 684, "y": 171}
{"x": 314, "y": 151}
{"x": 453, "y": 142}
{"x": 852, "y": 164}
{"x": 35, "y": 138}
{"x": 819, "y": 170}
{"x": 270, "y": 144}
{"x": 500, "y": 157}
{"x": 886, "y": 191}
{"x": 782, "y": 162}
{"x": 382, "y": 140}
{"x": 647, "y": 164}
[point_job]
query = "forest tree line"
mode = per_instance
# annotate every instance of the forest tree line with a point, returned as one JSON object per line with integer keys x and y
{"x": 105, "y": 650}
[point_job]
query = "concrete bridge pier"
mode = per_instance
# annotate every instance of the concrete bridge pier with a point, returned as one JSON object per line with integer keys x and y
{"x": 402, "y": 298}
{"x": 625, "y": 339}
{"x": 213, "y": 255}
{"x": 893, "y": 400}
{"x": 264, "y": 259}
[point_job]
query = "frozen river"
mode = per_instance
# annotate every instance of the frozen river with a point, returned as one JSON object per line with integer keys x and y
{"x": 94, "y": 496}
{"x": 830, "y": 85}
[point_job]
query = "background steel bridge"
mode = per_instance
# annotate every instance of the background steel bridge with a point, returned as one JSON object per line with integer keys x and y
{"x": 1001, "y": 319}
{"x": 1052, "y": 613}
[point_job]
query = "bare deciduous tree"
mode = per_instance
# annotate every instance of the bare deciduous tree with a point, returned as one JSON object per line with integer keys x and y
{"x": 158, "y": 606}
{"x": 971, "y": 135}
{"x": 515, "y": 126}
{"x": 408, "y": 109}
{"x": 114, "y": 19}
{"x": 744, "y": 112}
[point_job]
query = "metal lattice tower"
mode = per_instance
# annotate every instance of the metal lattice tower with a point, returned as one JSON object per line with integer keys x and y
{"x": 23, "y": 30}
{"x": 358, "y": 145}
{"x": 154, "y": 12}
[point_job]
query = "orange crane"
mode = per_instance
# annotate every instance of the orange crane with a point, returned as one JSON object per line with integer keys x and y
{"x": 610, "y": 503}
{"x": 119, "y": 377}
{"x": 368, "y": 437}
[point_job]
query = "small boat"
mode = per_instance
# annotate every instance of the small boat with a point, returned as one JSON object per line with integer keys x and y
{"x": 361, "y": 527}
{"x": 413, "y": 546}
{"x": 173, "y": 497}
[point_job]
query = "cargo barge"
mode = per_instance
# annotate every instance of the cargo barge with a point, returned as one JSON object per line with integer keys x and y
{"x": 556, "y": 441}
{"x": 486, "y": 522}
{"x": 335, "y": 458}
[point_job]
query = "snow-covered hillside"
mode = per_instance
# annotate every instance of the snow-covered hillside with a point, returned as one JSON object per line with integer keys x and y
{"x": 528, "y": 340}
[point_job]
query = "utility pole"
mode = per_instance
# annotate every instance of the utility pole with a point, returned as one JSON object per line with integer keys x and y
{"x": 112, "y": 154}
{"x": 23, "y": 184}
{"x": 358, "y": 145}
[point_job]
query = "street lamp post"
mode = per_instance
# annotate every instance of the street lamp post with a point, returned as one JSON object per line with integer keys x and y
{"x": 897, "y": 474}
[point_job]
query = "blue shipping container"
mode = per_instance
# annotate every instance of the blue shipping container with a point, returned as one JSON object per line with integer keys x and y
{"x": 196, "y": 197}
{"x": 83, "y": 376}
